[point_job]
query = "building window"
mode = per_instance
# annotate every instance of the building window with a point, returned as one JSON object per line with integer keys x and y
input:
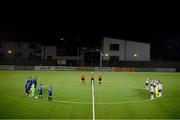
{"x": 32, "y": 45}
{"x": 69, "y": 50}
{"x": 19, "y": 45}
{"x": 60, "y": 51}
{"x": 38, "y": 51}
{"x": 38, "y": 57}
{"x": 114, "y": 47}
{"x": 18, "y": 55}
{"x": 31, "y": 55}
{"x": 49, "y": 57}
{"x": 114, "y": 58}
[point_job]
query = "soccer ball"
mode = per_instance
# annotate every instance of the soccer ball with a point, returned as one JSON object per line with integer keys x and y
{"x": 36, "y": 97}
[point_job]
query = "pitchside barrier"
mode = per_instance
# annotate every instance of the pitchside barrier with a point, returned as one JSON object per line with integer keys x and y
{"x": 103, "y": 69}
{"x": 165, "y": 69}
{"x": 53, "y": 68}
{"x": 7, "y": 67}
{"x": 86, "y": 68}
{"x": 71, "y": 68}
{"x": 124, "y": 69}
{"x": 155, "y": 69}
{"x": 24, "y": 67}
{"x": 61, "y": 68}
{"x": 44, "y": 68}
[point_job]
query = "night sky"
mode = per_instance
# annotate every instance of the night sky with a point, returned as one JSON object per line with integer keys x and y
{"x": 87, "y": 30}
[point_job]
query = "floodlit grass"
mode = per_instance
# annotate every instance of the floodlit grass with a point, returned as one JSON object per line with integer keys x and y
{"x": 121, "y": 95}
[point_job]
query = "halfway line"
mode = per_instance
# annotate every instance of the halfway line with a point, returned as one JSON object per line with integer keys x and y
{"x": 93, "y": 100}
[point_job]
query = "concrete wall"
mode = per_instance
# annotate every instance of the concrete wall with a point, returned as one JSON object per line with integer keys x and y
{"x": 23, "y": 49}
{"x": 50, "y": 51}
{"x": 127, "y": 50}
{"x": 5, "y": 47}
{"x": 106, "y": 48}
{"x": 141, "y": 50}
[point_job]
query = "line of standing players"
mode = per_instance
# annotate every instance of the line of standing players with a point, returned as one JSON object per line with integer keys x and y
{"x": 30, "y": 88}
{"x": 155, "y": 88}
{"x": 92, "y": 77}
{"x": 31, "y": 84}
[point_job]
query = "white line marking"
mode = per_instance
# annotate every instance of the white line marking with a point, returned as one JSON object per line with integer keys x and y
{"x": 100, "y": 103}
{"x": 93, "y": 100}
{"x": 63, "y": 85}
{"x": 138, "y": 88}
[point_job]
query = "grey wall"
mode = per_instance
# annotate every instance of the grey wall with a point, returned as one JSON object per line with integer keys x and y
{"x": 50, "y": 51}
{"x": 106, "y": 48}
{"x": 24, "y": 49}
{"x": 142, "y": 50}
{"x": 127, "y": 49}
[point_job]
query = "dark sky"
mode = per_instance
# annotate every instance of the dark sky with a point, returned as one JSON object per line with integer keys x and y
{"x": 160, "y": 29}
{"x": 87, "y": 24}
{"x": 47, "y": 32}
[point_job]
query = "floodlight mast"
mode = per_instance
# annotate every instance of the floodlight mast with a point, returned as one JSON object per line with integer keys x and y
{"x": 101, "y": 55}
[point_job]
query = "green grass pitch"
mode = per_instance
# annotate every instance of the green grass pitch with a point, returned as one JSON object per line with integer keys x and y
{"x": 121, "y": 95}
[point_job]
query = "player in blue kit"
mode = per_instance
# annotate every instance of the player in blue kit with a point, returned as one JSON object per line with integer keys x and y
{"x": 26, "y": 87}
{"x": 40, "y": 91}
{"x": 50, "y": 93}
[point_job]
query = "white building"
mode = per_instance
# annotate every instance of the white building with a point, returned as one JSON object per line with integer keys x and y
{"x": 49, "y": 52}
{"x": 112, "y": 49}
{"x": 123, "y": 50}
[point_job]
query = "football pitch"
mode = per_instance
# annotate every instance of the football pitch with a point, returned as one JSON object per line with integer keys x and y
{"x": 121, "y": 95}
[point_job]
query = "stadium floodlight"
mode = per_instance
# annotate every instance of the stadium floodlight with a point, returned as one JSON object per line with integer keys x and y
{"x": 62, "y": 38}
{"x": 106, "y": 55}
{"x": 135, "y": 55}
{"x": 101, "y": 59}
{"x": 9, "y": 51}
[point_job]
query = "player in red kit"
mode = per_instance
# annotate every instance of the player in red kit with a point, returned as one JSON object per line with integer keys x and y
{"x": 83, "y": 77}
{"x": 100, "y": 78}
{"x": 92, "y": 77}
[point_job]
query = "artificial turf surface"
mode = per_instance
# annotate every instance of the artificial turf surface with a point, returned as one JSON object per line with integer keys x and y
{"x": 120, "y": 96}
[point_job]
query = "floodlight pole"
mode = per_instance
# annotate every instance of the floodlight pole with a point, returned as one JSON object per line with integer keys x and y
{"x": 100, "y": 62}
{"x": 78, "y": 58}
{"x": 83, "y": 57}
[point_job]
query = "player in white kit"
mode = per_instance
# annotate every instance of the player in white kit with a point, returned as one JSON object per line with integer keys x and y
{"x": 152, "y": 92}
{"x": 147, "y": 82}
{"x": 160, "y": 88}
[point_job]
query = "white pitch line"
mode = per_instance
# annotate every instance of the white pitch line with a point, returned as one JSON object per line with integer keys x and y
{"x": 116, "y": 103}
{"x": 93, "y": 100}
{"x": 63, "y": 85}
{"x": 102, "y": 103}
